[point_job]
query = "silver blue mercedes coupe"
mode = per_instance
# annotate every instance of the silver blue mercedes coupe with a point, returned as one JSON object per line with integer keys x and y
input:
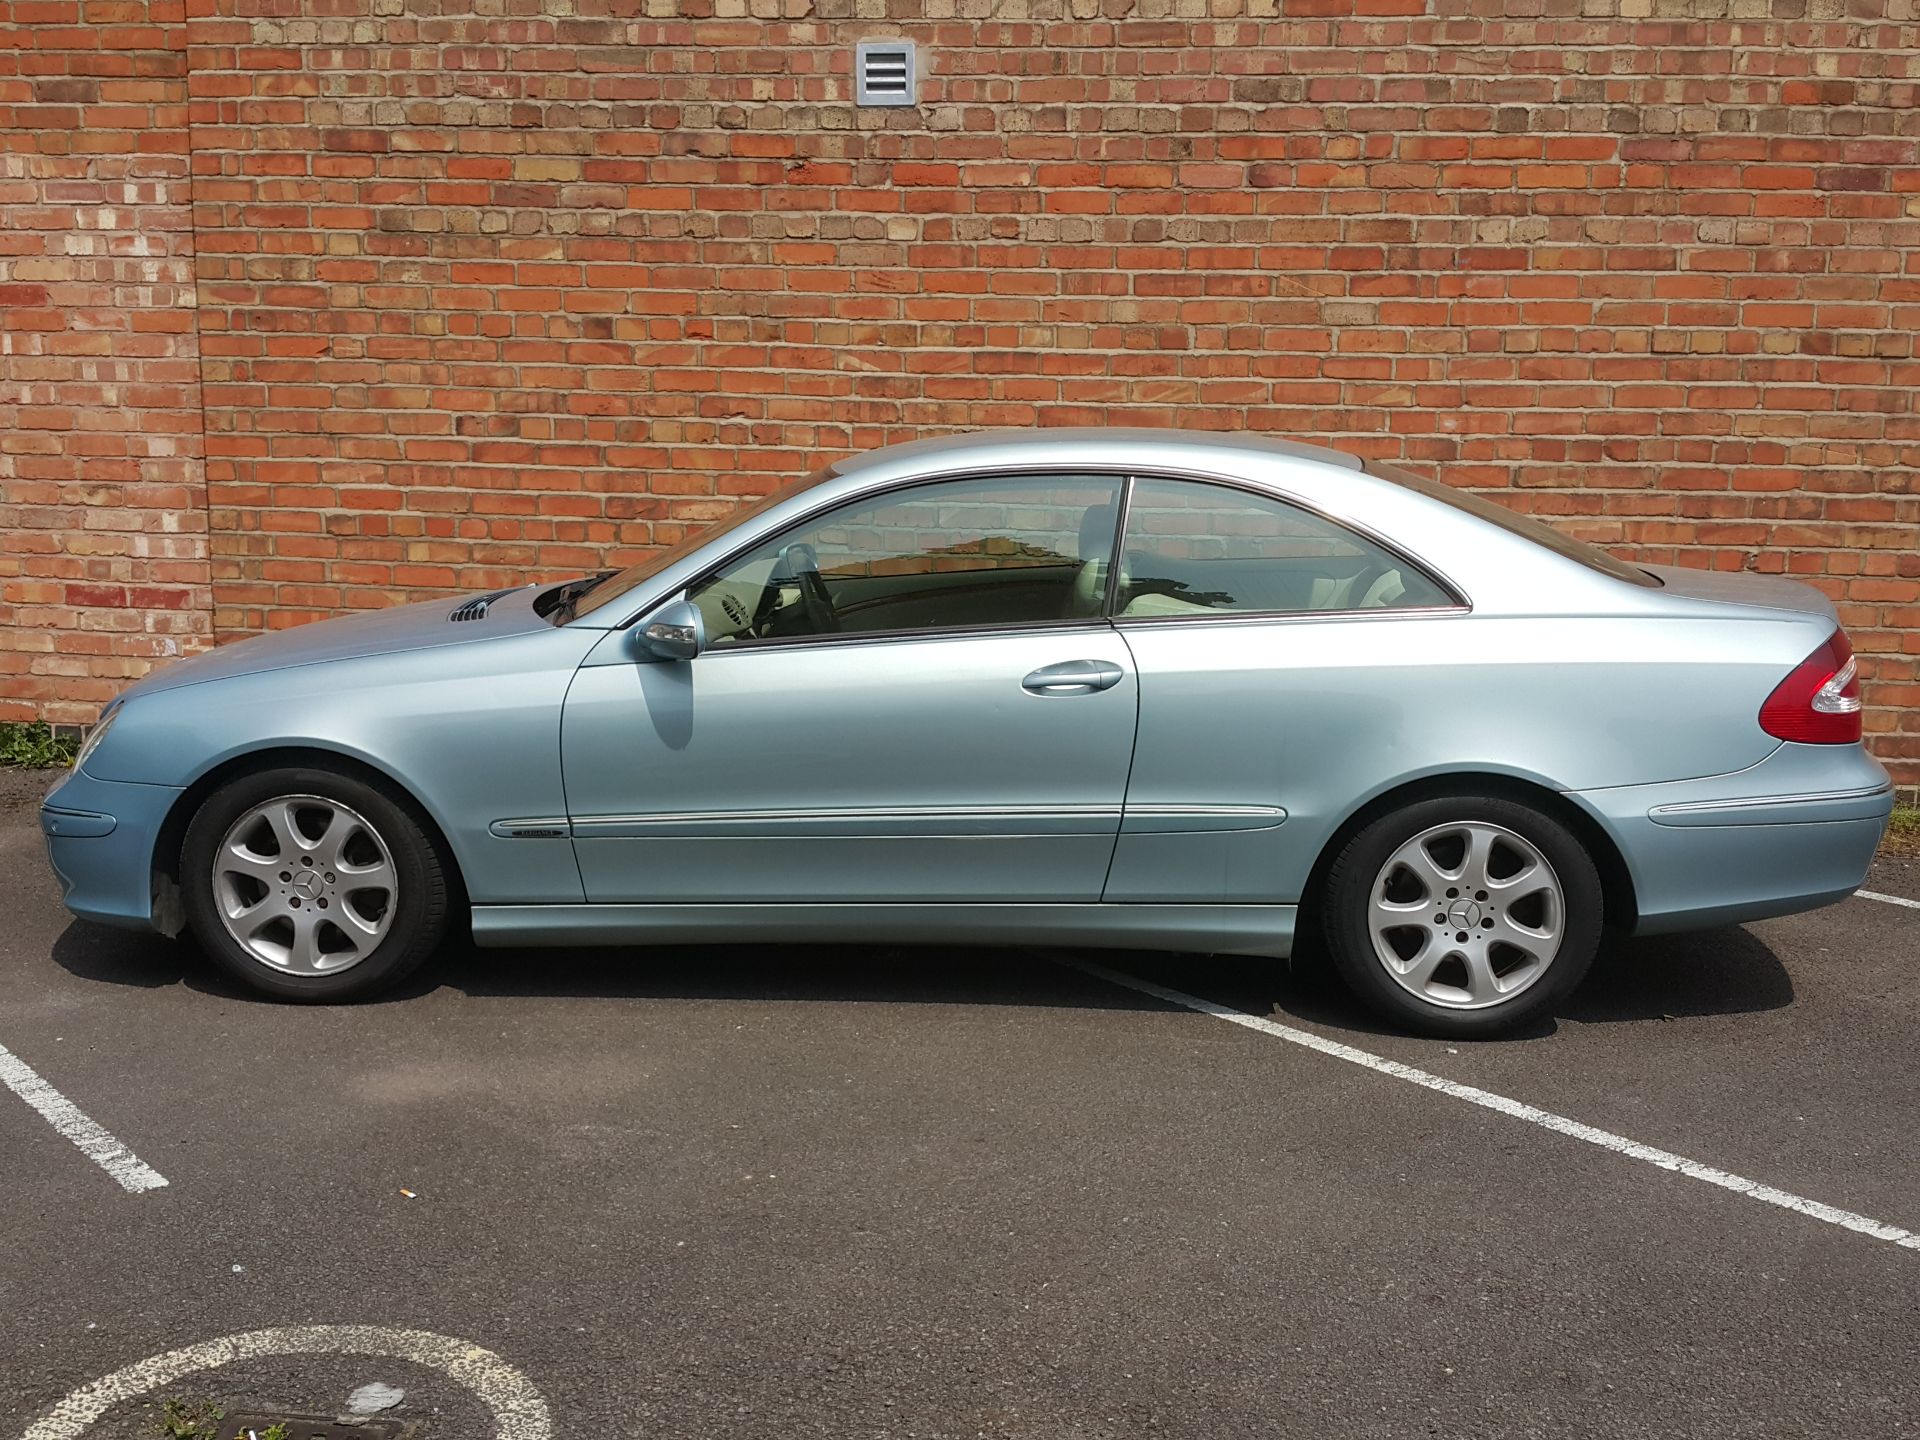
{"x": 1065, "y": 687}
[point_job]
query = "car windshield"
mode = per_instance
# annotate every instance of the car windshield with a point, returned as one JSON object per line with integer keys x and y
{"x": 1515, "y": 523}
{"x": 605, "y": 592}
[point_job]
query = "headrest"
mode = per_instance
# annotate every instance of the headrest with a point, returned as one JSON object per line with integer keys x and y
{"x": 1096, "y": 530}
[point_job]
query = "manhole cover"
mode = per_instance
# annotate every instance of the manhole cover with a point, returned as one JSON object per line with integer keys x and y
{"x": 309, "y": 1427}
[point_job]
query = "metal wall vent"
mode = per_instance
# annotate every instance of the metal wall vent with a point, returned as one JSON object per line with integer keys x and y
{"x": 884, "y": 72}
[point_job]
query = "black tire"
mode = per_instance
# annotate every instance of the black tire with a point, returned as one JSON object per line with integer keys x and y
{"x": 1350, "y": 940}
{"x": 420, "y": 904}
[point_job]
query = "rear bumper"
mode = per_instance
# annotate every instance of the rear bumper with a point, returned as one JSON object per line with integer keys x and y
{"x": 100, "y": 838}
{"x": 1795, "y": 832}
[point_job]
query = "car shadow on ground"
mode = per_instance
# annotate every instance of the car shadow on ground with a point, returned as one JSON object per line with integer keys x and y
{"x": 133, "y": 958}
{"x": 884, "y": 974}
{"x": 1722, "y": 972}
{"x": 1729, "y": 971}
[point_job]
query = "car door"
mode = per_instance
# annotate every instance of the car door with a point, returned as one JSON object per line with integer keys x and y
{"x": 1281, "y": 655}
{"x": 913, "y": 697}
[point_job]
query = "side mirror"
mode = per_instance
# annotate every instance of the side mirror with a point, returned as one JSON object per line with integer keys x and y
{"x": 673, "y": 632}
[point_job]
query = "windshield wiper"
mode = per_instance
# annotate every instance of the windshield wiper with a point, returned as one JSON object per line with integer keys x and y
{"x": 571, "y": 592}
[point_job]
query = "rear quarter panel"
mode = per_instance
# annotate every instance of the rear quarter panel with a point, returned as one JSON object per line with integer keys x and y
{"x": 1319, "y": 716}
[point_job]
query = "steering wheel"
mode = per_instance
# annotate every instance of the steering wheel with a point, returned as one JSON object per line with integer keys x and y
{"x": 801, "y": 564}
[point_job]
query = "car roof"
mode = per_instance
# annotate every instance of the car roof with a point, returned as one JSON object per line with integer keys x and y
{"x": 1053, "y": 444}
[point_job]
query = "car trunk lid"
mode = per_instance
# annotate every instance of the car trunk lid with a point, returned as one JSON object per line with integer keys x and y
{"x": 1761, "y": 592}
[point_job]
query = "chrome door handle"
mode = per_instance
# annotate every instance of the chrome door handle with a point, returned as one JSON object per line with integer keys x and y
{"x": 1073, "y": 677}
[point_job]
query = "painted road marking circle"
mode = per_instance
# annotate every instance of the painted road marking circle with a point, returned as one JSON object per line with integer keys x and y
{"x": 519, "y": 1413}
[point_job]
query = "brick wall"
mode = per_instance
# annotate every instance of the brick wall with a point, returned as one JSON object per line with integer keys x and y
{"x": 102, "y": 501}
{"x": 491, "y": 288}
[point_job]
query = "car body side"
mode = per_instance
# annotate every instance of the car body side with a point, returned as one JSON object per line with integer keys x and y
{"x": 1632, "y": 712}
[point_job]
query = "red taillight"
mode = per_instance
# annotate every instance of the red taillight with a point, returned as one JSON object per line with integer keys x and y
{"x": 1819, "y": 703}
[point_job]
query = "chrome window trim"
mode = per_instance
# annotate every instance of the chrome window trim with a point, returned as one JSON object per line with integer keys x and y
{"x": 707, "y": 572}
{"x": 1126, "y": 478}
{"x": 882, "y": 637}
{"x": 1365, "y": 532}
{"x": 1119, "y": 547}
{"x": 1120, "y": 478}
{"x": 1270, "y": 617}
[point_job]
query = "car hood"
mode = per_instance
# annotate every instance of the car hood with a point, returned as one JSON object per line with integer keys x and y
{"x": 422, "y": 626}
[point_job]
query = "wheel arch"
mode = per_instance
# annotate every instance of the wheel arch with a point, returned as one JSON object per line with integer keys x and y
{"x": 169, "y": 916}
{"x": 1621, "y": 905}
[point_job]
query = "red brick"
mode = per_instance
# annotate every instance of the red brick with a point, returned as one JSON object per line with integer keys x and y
{"x": 100, "y": 422}
{"x": 604, "y": 298}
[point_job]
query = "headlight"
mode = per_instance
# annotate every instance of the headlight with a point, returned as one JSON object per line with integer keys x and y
{"x": 95, "y": 736}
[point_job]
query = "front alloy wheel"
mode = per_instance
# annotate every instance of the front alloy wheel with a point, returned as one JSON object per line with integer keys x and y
{"x": 304, "y": 884}
{"x": 313, "y": 885}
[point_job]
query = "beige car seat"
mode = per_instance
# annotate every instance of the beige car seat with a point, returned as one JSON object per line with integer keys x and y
{"x": 1327, "y": 594}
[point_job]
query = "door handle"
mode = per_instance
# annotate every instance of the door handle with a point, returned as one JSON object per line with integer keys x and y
{"x": 1073, "y": 677}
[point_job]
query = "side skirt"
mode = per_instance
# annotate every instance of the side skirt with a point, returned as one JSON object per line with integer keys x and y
{"x": 1216, "y": 929}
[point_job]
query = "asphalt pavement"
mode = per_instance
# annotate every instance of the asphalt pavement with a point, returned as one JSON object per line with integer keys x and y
{"x": 787, "y": 1191}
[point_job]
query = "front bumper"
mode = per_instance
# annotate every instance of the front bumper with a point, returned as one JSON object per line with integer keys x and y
{"x": 100, "y": 837}
{"x": 1794, "y": 832}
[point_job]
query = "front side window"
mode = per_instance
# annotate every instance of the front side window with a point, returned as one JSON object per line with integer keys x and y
{"x": 1193, "y": 548}
{"x": 954, "y": 554}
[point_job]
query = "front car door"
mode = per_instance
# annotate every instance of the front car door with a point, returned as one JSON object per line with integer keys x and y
{"x": 912, "y": 697}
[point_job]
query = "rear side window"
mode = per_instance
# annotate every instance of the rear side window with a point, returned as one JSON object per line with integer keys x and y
{"x": 1512, "y": 521}
{"x": 1193, "y": 548}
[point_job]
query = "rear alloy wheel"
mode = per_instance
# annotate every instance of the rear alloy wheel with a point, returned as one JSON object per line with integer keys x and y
{"x": 1463, "y": 917}
{"x": 310, "y": 885}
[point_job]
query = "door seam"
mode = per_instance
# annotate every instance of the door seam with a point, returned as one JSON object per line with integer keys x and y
{"x": 1133, "y": 752}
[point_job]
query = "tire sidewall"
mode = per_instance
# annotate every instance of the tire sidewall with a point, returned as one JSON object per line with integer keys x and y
{"x": 1350, "y": 940}
{"x": 419, "y": 909}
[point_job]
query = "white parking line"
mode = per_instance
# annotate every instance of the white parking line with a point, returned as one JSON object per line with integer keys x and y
{"x": 1519, "y": 1110}
{"x": 133, "y": 1173}
{"x": 1888, "y": 899}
